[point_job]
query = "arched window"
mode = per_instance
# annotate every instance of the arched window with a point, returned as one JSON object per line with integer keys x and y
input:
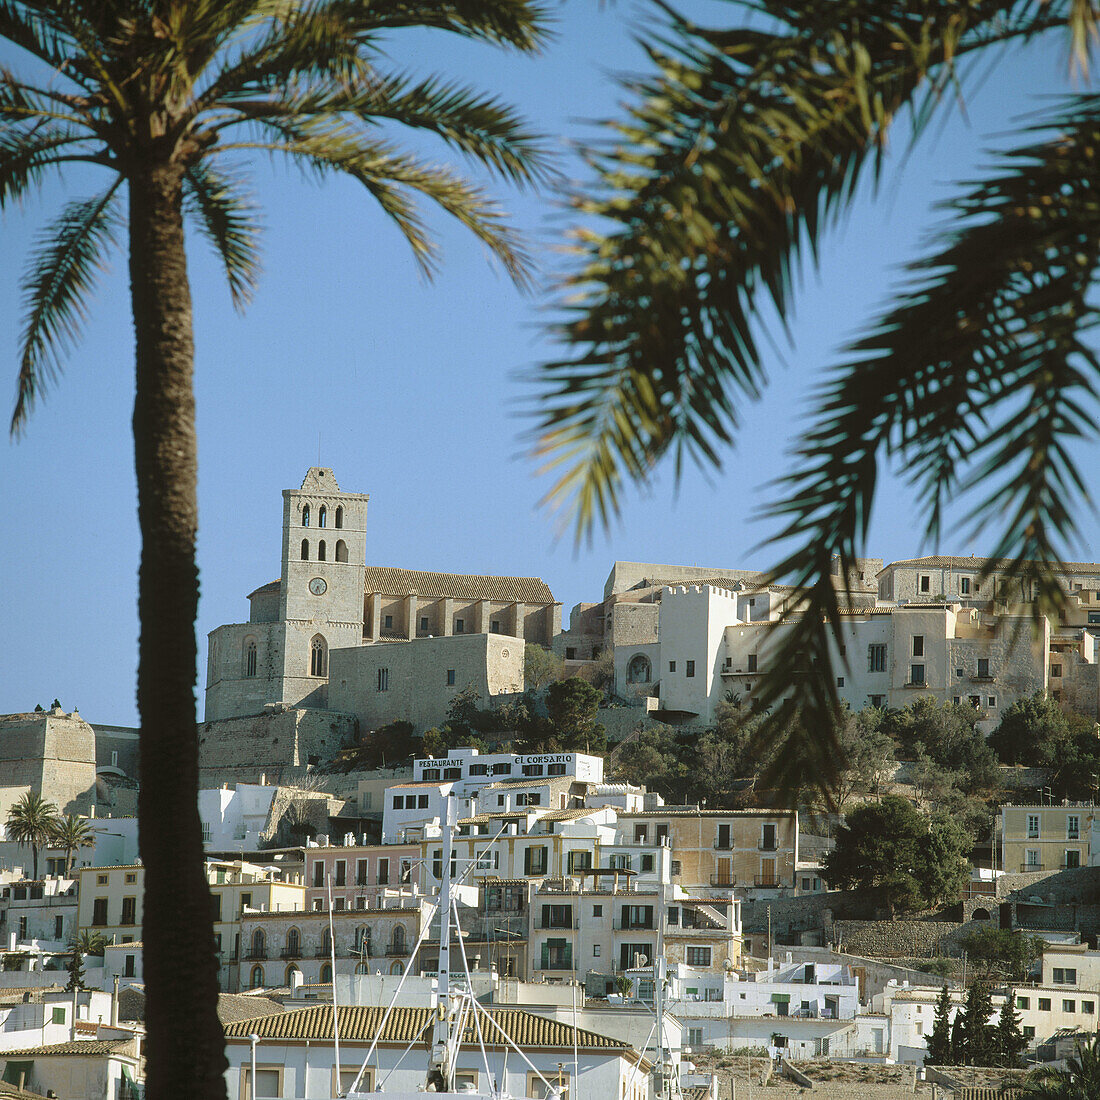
{"x": 305, "y": 549}
{"x": 397, "y": 943}
{"x": 321, "y": 550}
{"x": 339, "y": 515}
{"x": 250, "y": 657}
{"x": 259, "y": 943}
{"x": 289, "y": 976}
{"x": 322, "y": 516}
{"x": 318, "y": 656}
{"x": 638, "y": 671}
{"x": 256, "y": 980}
{"x": 396, "y": 968}
{"x": 981, "y": 914}
{"x": 293, "y": 944}
{"x": 362, "y": 939}
{"x": 341, "y": 550}
{"x": 305, "y": 515}
{"x": 326, "y": 973}
{"x": 326, "y": 942}
{"x": 362, "y": 968}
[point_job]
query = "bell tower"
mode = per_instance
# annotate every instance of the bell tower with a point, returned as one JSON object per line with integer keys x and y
{"x": 321, "y": 587}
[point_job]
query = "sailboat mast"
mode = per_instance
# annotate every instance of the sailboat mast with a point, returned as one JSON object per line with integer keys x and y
{"x": 440, "y": 1069}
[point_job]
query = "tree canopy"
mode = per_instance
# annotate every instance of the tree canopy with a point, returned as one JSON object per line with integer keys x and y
{"x": 897, "y": 857}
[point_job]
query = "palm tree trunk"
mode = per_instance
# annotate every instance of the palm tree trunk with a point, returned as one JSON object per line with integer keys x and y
{"x": 185, "y": 1044}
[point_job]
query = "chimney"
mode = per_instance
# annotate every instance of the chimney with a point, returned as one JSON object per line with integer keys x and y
{"x": 114, "y": 1003}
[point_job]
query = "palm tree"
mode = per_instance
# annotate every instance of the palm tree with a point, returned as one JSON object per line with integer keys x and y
{"x": 32, "y": 822}
{"x": 71, "y": 833}
{"x": 90, "y": 942}
{"x": 1080, "y": 1080}
{"x": 739, "y": 151}
{"x": 166, "y": 98}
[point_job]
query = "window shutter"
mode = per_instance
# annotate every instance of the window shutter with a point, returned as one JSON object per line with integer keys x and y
{"x": 546, "y": 916}
{"x": 526, "y": 861}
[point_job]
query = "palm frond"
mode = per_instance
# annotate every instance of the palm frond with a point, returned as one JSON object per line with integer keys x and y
{"x": 25, "y": 153}
{"x": 979, "y": 381}
{"x": 59, "y": 279}
{"x": 392, "y": 177}
{"x": 734, "y": 159}
{"x": 228, "y": 220}
{"x": 500, "y": 22}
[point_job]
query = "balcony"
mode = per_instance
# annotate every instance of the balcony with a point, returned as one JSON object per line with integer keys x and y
{"x": 393, "y": 949}
{"x": 563, "y": 963}
{"x": 766, "y": 880}
{"x": 556, "y": 926}
{"x": 764, "y": 846}
{"x": 723, "y": 880}
{"x": 631, "y": 926}
{"x": 288, "y": 954}
{"x": 256, "y": 956}
{"x": 1031, "y": 867}
{"x": 724, "y": 846}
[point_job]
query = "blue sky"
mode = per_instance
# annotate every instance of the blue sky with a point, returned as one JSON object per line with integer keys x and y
{"x": 408, "y": 390}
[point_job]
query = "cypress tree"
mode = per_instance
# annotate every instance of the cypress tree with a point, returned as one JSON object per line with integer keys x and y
{"x": 939, "y": 1042}
{"x": 75, "y": 967}
{"x": 1011, "y": 1043}
{"x": 980, "y": 1036}
{"x": 958, "y": 1039}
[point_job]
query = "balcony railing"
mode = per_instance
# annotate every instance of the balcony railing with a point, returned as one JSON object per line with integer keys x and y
{"x": 633, "y": 926}
{"x": 397, "y": 949}
{"x": 289, "y": 954}
{"x": 556, "y": 964}
{"x": 723, "y": 880}
{"x": 766, "y": 880}
{"x": 764, "y": 846}
{"x": 724, "y": 845}
{"x": 253, "y": 956}
{"x": 1031, "y": 867}
{"x": 556, "y": 925}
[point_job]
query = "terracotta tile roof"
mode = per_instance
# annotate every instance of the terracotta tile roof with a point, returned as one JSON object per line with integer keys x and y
{"x": 238, "y": 1006}
{"x": 944, "y": 561}
{"x": 15, "y": 995}
{"x": 80, "y": 1047}
{"x": 691, "y": 811}
{"x": 13, "y": 1091}
{"x": 391, "y": 581}
{"x": 358, "y": 1024}
{"x": 569, "y": 815}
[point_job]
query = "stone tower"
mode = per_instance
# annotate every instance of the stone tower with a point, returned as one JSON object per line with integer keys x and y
{"x": 321, "y": 585}
{"x": 281, "y": 655}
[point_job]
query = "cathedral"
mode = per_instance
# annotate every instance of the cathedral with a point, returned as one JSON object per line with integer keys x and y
{"x": 328, "y": 609}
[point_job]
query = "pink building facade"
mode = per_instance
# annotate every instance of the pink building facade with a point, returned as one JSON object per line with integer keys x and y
{"x": 361, "y": 875}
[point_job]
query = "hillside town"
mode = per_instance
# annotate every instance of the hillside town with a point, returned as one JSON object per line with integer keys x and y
{"x": 413, "y": 782}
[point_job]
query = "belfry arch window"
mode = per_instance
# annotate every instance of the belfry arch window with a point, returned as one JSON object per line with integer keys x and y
{"x": 639, "y": 670}
{"x": 339, "y": 516}
{"x": 250, "y": 657}
{"x": 322, "y": 516}
{"x": 321, "y": 550}
{"x": 318, "y": 656}
{"x": 305, "y": 549}
{"x": 341, "y": 550}
{"x": 305, "y": 515}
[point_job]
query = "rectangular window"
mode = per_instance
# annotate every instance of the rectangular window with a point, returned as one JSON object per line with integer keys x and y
{"x": 840, "y": 681}
{"x": 383, "y": 679}
{"x": 925, "y": 583}
{"x": 361, "y": 872}
{"x": 398, "y": 802}
{"x": 689, "y": 670}
{"x": 880, "y": 700}
{"x": 532, "y": 769}
{"x": 389, "y": 622}
{"x": 423, "y": 622}
{"x": 597, "y": 910}
{"x": 421, "y": 802}
{"x": 751, "y": 666}
{"x": 450, "y": 677}
{"x": 1055, "y": 672}
{"x": 991, "y": 700}
{"x": 641, "y": 833}
{"x": 101, "y": 880}
{"x": 58, "y": 1016}
{"x": 534, "y": 861}
{"x": 595, "y": 951}
{"x": 983, "y": 667}
{"x": 129, "y": 911}
{"x": 502, "y": 769}
{"x": 698, "y": 956}
{"x": 1044, "y": 1004}
{"x": 672, "y": 666}
{"x": 1023, "y": 1002}
{"x": 694, "y": 1037}
{"x": 1029, "y": 1031}
{"x": 647, "y": 862}
{"x": 494, "y": 626}
{"x": 1031, "y": 859}
{"x": 768, "y": 838}
{"x": 58, "y": 927}
{"x": 918, "y": 645}
{"x": 555, "y": 769}
{"x": 1065, "y": 975}
{"x": 964, "y": 586}
{"x": 1033, "y": 826}
{"x": 383, "y": 872}
{"x": 99, "y": 912}
{"x": 1069, "y": 1006}
{"x": 341, "y": 873}
{"x": 1073, "y": 827}
{"x": 570, "y": 653}
{"x": 876, "y": 657}
{"x": 1088, "y": 1007}
{"x": 460, "y": 626}
{"x": 1073, "y": 858}
{"x": 916, "y": 674}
